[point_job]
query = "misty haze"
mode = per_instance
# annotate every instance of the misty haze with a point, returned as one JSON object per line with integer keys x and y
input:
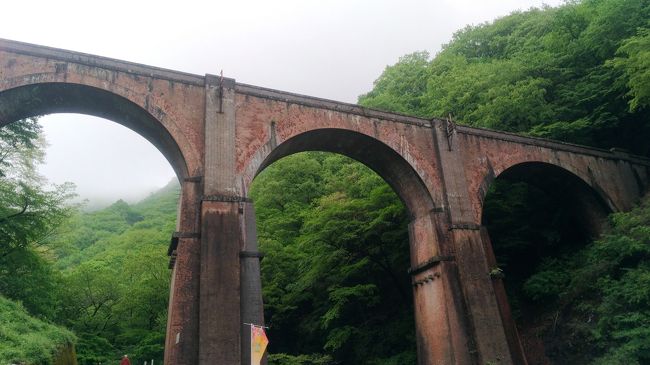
{"x": 105, "y": 160}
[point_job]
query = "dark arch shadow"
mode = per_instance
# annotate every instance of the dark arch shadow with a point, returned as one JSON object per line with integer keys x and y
{"x": 581, "y": 209}
{"x": 589, "y": 202}
{"x": 49, "y": 98}
{"x": 379, "y": 157}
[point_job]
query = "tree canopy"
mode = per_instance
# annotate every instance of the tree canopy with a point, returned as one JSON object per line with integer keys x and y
{"x": 576, "y": 73}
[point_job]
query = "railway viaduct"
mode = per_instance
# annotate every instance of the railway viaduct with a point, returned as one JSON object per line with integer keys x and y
{"x": 218, "y": 134}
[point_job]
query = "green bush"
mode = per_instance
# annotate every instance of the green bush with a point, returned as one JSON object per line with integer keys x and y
{"x": 27, "y": 340}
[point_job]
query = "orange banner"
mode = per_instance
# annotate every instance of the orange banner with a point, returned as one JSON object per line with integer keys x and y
{"x": 258, "y": 344}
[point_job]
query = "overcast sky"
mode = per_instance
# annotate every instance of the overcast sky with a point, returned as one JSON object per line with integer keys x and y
{"x": 333, "y": 49}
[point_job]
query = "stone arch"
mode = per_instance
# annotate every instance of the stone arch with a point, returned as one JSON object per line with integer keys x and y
{"x": 379, "y": 157}
{"x": 48, "y": 98}
{"x": 436, "y": 337}
{"x": 547, "y": 176}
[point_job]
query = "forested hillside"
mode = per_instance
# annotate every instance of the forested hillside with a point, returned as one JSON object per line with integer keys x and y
{"x": 114, "y": 279}
{"x": 334, "y": 234}
{"x": 29, "y": 213}
{"x": 577, "y": 73}
{"x": 24, "y": 338}
{"x": 334, "y": 276}
{"x": 102, "y": 275}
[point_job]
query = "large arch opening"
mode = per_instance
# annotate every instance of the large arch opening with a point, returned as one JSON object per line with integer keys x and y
{"x": 103, "y": 274}
{"x": 538, "y": 217}
{"x": 51, "y": 98}
{"x": 387, "y": 163}
{"x": 333, "y": 226}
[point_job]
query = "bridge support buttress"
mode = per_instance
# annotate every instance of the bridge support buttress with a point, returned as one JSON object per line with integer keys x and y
{"x": 219, "y": 303}
{"x": 441, "y": 331}
{"x": 181, "y": 345}
{"x": 484, "y": 319}
{"x": 231, "y": 291}
{"x": 230, "y": 287}
{"x": 461, "y": 316}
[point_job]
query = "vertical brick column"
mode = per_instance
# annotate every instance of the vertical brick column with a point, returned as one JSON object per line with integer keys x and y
{"x": 221, "y": 235}
{"x": 220, "y": 321}
{"x": 181, "y": 345}
{"x": 439, "y": 314}
{"x": 510, "y": 328}
{"x": 252, "y": 307}
{"x": 489, "y": 342}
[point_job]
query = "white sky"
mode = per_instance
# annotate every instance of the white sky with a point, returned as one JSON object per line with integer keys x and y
{"x": 333, "y": 49}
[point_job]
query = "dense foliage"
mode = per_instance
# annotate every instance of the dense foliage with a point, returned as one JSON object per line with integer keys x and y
{"x": 334, "y": 276}
{"x": 27, "y": 339}
{"x": 578, "y": 73}
{"x": 102, "y": 275}
{"x": 114, "y": 278}
{"x": 29, "y": 215}
{"x": 596, "y": 298}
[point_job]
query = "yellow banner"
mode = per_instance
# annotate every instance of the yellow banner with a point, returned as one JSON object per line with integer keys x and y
{"x": 258, "y": 344}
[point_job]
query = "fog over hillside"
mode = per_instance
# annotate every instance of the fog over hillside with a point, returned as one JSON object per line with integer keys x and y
{"x": 105, "y": 160}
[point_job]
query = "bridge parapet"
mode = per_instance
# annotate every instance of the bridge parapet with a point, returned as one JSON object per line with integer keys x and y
{"x": 106, "y": 63}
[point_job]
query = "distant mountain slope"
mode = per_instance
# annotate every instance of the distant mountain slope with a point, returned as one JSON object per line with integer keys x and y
{"x": 115, "y": 278}
{"x": 91, "y": 235}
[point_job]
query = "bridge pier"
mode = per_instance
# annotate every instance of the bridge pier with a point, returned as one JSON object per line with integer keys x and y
{"x": 509, "y": 325}
{"x": 230, "y": 283}
{"x": 462, "y": 315}
{"x": 490, "y": 341}
{"x": 252, "y": 307}
{"x": 219, "y": 307}
{"x": 480, "y": 308}
{"x": 181, "y": 345}
{"x": 207, "y": 312}
{"x": 439, "y": 314}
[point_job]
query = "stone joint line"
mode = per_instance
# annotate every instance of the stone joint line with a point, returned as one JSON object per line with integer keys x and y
{"x": 173, "y": 245}
{"x": 435, "y": 260}
{"x": 227, "y": 199}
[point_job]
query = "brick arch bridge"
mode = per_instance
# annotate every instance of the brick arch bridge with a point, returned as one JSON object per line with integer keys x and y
{"x": 218, "y": 134}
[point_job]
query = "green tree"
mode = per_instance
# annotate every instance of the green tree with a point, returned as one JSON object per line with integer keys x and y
{"x": 634, "y": 62}
{"x": 334, "y": 279}
{"x": 577, "y": 73}
{"x": 546, "y": 72}
{"x": 400, "y": 87}
{"x": 29, "y": 214}
{"x": 29, "y": 217}
{"x": 116, "y": 279}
